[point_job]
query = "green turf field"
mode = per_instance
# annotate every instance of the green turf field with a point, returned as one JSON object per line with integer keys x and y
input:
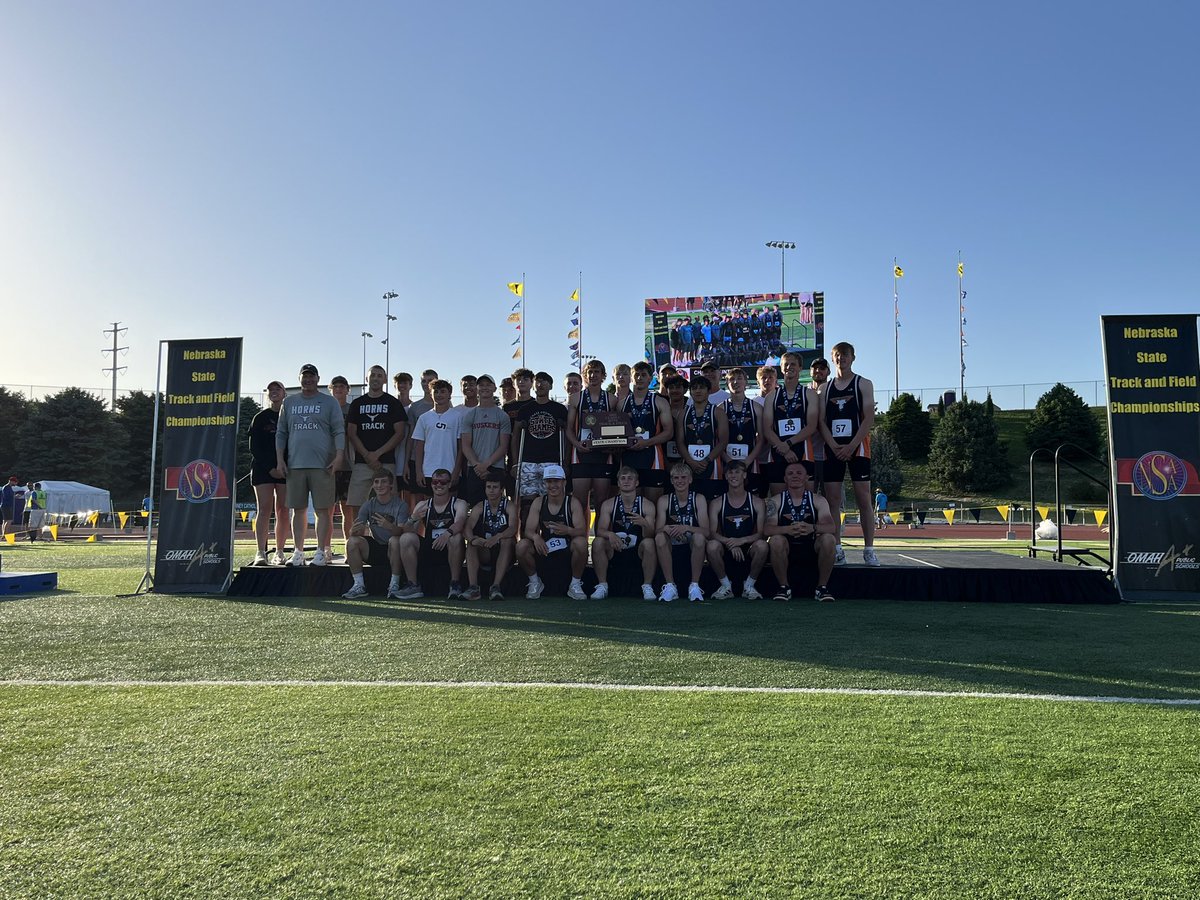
{"x": 160, "y": 764}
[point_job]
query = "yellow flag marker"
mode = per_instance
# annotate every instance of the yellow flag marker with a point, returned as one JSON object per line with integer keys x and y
{"x": 123, "y": 518}
{"x": 949, "y": 514}
{"x": 517, "y": 287}
{"x": 843, "y": 518}
{"x": 1003, "y": 510}
{"x": 91, "y": 539}
{"x": 1044, "y": 512}
{"x": 1101, "y": 514}
{"x": 10, "y": 538}
{"x": 245, "y": 515}
{"x": 895, "y": 517}
{"x": 54, "y": 532}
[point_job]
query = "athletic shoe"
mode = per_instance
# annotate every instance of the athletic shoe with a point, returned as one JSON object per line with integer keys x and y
{"x": 749, "y": 593}
{"x": 321, "y": 558}
{"x": 297, "y": 558}
{"x": 576, "y": 591}
{"x": 455, "y": 592}
{"x": 394, "y": 593}
{"x": 823, "y": 594}
{"x": 472, "y": 593}
{"x": 695, "y": 595}
{"x": 669, "y": 593}
{"x": 411, "y": 591}
{"x": 601, "y": 592}
{"x": 279, "y": 559}
{"x": 723, "y": 592}
{"x": 534, "y": 591}
{"x": 495, "y": 593}
{"x": 260, "y": 558}
{"x": 356, "y": 591}
{"x": 783, "y": 595}
{"x": 648, "y": 592}
{"x": 870, "y": 557}
{"x": 839, "y": 558}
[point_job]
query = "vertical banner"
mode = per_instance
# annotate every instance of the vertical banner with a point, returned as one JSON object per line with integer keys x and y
{"x": 195, "y": 532}
{"x": 660, "y": 334}
{"x": 1154, "y": 442}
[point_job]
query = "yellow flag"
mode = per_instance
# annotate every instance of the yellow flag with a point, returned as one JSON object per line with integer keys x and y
{"x": 843, "y": 518}
{"x": 514, "y": 317}
{"x": 143, "y": 513}
{"x": 54, "y": 532}
{"x": 1003, "y": 510}
{"x": 91, "y": 539}
{"x": 899, "y": 272}
{"x": 11, "y": 538}
{"x": 1101, "y": 514}
{"x": 575, "y": 294}
{"x": 573, "y": 333}
{"x": 124, "y": 517}
{"x": 245, "y": 514}
{"x": 949, "y": 514}
{"x": 1044, "y": 512}
{"x": 517, "y": 353}
{"x": 517, "y": 287}
{"x": 895, "y": 517}
{"x": 960, "y": 267}
{"x": 93, "y": 519}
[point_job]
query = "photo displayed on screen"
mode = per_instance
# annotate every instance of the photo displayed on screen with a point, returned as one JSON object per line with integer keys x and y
{"x": 748, "y": 330}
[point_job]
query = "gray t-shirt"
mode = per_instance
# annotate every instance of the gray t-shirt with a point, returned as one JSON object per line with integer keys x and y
{"x": 395, "y": 512}
{"x": 311, "y": 429}
{"x": 488, "y": 426}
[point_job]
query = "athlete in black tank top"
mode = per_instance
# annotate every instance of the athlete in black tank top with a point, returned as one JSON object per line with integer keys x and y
{"x": 625, "y": 523}
{"x": 556, "y": 527}
{"x": 798, "y": 521}
{"x": 492, "y": 528}
{"x": 737, "y": 534}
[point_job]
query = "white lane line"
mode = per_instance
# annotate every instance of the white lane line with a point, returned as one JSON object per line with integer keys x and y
{"x": 599, "y": 686}
{"x": 921, "y": 561}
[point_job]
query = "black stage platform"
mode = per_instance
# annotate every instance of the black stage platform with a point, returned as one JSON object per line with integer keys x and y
{"x": 959, "y": 576}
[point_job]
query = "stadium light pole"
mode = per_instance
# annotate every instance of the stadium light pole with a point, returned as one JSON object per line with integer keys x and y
{"x": 387, "y": 335}
{"x": 782, "y": 247}
{"x": 365, "y": 335}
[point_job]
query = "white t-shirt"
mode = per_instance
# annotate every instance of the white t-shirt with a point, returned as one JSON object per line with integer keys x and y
{"x": 439, "y": 432}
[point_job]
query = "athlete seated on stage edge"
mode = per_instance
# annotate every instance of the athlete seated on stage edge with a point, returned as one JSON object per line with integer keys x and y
{"x": 375, "y": 536}
{"x": 491, "y": 537}
{"x": 799, "y": 521}
{"x": 625, "y": 523}
{"x": 556, "y": 525}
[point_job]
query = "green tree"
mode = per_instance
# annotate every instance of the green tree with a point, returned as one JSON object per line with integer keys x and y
{"x": 908, "y": 426}
{"x": 70, "y": 436}
{"x": 14, "y": 411}
{"x": 885, "y": 463}
{"x": 135, "y": 416}
{"x": 247, "y": 408}
{"x": 1061, "y": 416}
{"x": 967, "y": 453}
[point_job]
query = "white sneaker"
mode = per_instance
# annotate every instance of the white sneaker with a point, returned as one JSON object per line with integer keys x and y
{"x": 601, "y": 592}
{"x": 723, "y": 592}
{"x": 669, "y": 593}
{"x": 279, "y": 559}
{"x": 535, "y": 588}
{"x": 260, "y": 558}
{"x": 749, "y": 592}
{"x": 648, "y": 592}
{"x": 695, "y": 594}
{"x": 576, "y": 591}
{"x": 356, "y": 591}
{"x": 321, "y": 557}
{"x": 297, "y": 558}
{"x": 839, "y": 558}
{"x": 869, "y": 556}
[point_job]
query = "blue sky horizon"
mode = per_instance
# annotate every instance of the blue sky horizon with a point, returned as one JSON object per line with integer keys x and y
{"x": 269, "y": 171}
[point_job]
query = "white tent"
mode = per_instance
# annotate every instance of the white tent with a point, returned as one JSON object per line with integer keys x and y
{"x": 72, "y": 498}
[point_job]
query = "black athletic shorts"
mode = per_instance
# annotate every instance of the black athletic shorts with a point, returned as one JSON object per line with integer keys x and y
{"x": 835, "y": 469}
{"x": 263, "y": 476}
{"x": 341, "y": 486}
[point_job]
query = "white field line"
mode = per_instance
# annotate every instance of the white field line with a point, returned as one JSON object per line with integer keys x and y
{"x": 921, "y": 561}
{"x": 592, "y": 686}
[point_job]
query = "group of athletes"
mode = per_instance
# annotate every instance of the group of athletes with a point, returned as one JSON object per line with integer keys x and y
{"x": 706, "y": 474}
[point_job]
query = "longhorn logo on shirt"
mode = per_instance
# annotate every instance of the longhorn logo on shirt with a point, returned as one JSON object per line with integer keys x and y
{"x": 841, "y": 403}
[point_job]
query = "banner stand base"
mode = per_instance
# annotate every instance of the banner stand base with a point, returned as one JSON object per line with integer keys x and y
{"x": 145, "y": 586}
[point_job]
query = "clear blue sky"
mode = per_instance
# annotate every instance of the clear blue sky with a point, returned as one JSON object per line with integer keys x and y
{"x": 271, "y": 169}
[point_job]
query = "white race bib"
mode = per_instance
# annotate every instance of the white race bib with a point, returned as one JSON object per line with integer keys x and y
{"x": 642, "y": 433}
{"x": 438, "y": 532}
{"x": 699, "y": 452}
{"x": 841, "y": 428}
{"x": 738, "y": 451}
{"x": 585, "y": 434}
{"x": 627, "y": 540}
{"x": 556, "y": 543}
{"x": 790, "y": 426}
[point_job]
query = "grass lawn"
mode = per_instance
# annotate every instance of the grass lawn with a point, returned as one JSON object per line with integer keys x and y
{"x": 145, "y": 783}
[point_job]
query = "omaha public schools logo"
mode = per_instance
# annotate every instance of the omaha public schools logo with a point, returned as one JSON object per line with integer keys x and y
{"x": 1159, "y": 475}
{"x": 1169, "y": 560}
{"x": 197, "y": 482}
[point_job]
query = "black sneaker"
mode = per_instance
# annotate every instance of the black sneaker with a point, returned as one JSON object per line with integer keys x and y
{"x": 455, "y": 592}
{"x": 783, "y": 595}
{"x": 823, "y": 594}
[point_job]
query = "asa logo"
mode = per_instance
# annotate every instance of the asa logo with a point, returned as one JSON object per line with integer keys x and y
{"x": 197, "y": 482}
{"x": 1159, "y": 475}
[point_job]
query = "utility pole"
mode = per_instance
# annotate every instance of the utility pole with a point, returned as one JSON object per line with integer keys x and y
{"x": 116, "y": 331}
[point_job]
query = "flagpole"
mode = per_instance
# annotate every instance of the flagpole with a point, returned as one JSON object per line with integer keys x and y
{"x": 524, "y": 322}
{"x": 896, "y": 313}
{"x": 581, "y": 323}
{"x": 962, "y": 336}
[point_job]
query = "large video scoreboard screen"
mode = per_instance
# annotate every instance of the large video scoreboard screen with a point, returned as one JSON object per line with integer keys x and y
{"x": 747, "y": 330}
